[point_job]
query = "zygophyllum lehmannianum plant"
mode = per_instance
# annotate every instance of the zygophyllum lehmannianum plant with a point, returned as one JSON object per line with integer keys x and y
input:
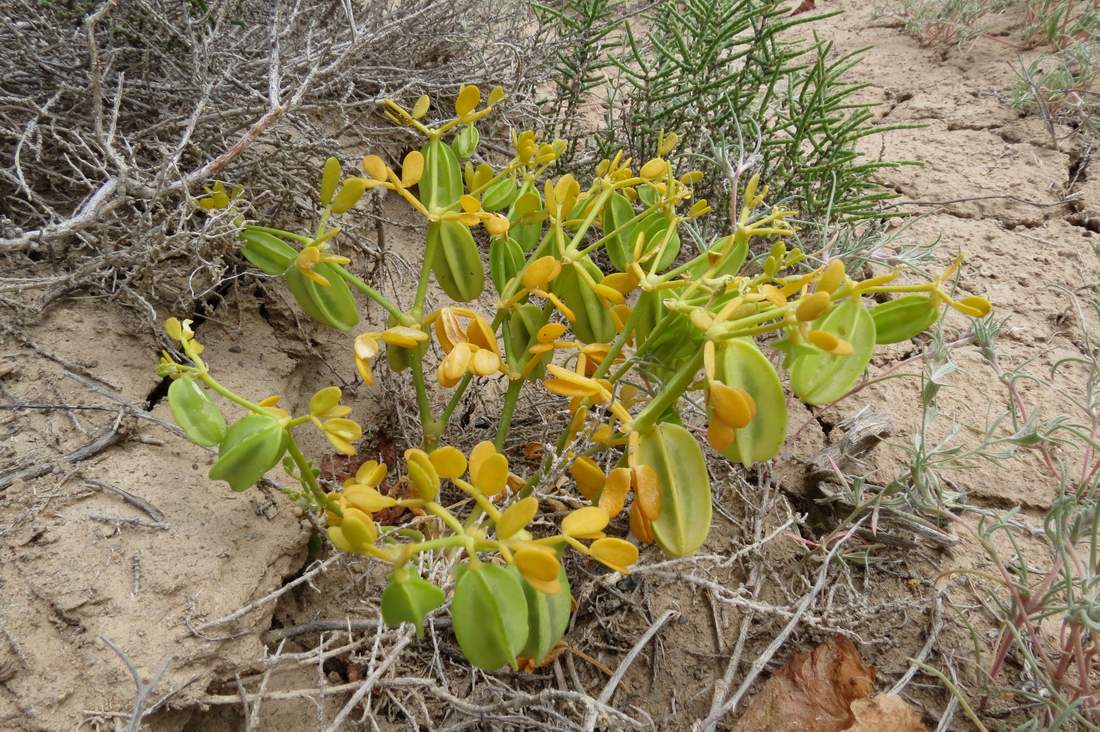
{"x": 620, "y": 347}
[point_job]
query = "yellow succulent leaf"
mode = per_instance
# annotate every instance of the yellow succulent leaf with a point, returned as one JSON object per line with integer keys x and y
{"x": 366, "y": 498}
{"x": 585, "y": 522}
{"x": 516, "y": 517}
{"x": 720, "y": 435}
{"x": 537, "y": 565}
{"x": 482, "y": 176}
{"x": 566, "y": 388}
{"x": 421, "y": 107}
{"x": 321, "y": 403}
{"x": 348, "y": 195}
{"x": 811, "y": 307}
{"x": 371, "y": 473}
{"x": 734, "y": 405}
{"x": 404, "y": 336}
{"x": 609, "y": 294}
{"x": 492, "y": 475}
{"x": 495, "y": 95}
{"x": 345, "y": 428}
{"x": 375, "y": 167}
{"x": 832, "y": 276}
{"x": 469, "y": 203}
{"x": 485, "y": 362}
{"x": 843, "y": 348}
{"x": 550, "y": 332}
{"x": 647, "y": 492}
{"x": 590, "y": 479}
{"x": 358, "y": 528}
{"x": 640, "y": 526}
{"x": 449, "y": 462}
{"x": 655, "y": 168}
{"x": 422, "y": 473}
{"x": 624, "y": 282}
{"x": 975, "y": 306}
{"x": 482, "y": 451}
{"x": 541, "y": 272}
{"x": 618, "y": 554}
{"x": 824, "y": 340}
{"x": 412, "y": 169}
{"x": 613, "y": 497}
{"x": 469, "y": 96}
{"x": 336, "y": 536}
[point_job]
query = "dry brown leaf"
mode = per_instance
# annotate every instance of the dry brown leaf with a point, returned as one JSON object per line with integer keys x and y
{"x": 826, "y": 690}
{"x": 812, "y": 693}
{"x": 885, "y": 712}
{"x": 805, "y": 7}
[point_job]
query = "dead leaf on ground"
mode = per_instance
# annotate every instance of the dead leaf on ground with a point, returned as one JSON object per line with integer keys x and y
{"x": 826, "y": 690}
{"x": 885, "y": 712}
{"x": 805, "y": 7}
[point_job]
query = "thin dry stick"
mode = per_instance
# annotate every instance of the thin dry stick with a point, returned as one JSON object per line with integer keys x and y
{"x": 370, "y": 682}
{"x": 613, "y": 682}
{"x": 270, "y": 597}
{"x": 142, "y": 689}
{"x": 933, "y": 636}
{"x": 762, "y": 660}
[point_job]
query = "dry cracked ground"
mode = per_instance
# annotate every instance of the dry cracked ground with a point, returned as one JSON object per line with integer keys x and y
{"x": 110, "y": 530}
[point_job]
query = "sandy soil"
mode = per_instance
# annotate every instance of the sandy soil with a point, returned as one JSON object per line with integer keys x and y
{"x": 131, "y": 543}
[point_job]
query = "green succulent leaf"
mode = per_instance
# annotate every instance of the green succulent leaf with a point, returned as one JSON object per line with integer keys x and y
{"x": 675, "y": 455}
{"x": 901, "y": 319}
{"x": 739, "y": 363}
{"x": 253, "y": 445}
{"x": 821, "y": 378}
{"x": 457, "y": 262}
{"x": 267, "y": 252}
{"x": 333, "y": 306}
{"x": 547, "y": 617}
{"x": 409, "y": 599}
{"x": 489, "y": 616}
{"x": 196, "y": 413}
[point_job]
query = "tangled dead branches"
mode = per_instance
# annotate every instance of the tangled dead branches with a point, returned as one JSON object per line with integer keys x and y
{"x": 114, "y": 115}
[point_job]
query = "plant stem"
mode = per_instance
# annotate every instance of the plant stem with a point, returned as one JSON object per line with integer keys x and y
{"x": 618, "y": 343}
{"x": 425, "y": 271}
{"x": 375, "y": 295}
{"x": 510, "y": 398}
{"x": 456, "y": 397}
{"x": 309, "y": 479}
{"x": 669, "y": 394}
{"x": 428, "y": 424}
{"x": 241, "y": 401}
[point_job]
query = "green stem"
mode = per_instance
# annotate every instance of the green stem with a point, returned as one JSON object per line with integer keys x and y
{"x": 619, "y": 342}
{"x": 621, "y": 228}
{"x": 280, "y": 232}
{"x": 592, "y": 212}
{"x": 668, "y": 395}
{"x": 309, "y": 479}
{"x": 448, "y": 518}
{"x": 510, "y": 399}
{"x": 213, "y": 384}
{"x": 425, "y": 271}
{"x": 375, "y": 295}
{"x": 428, "y": 424}
{"x": 456, "y": 398}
